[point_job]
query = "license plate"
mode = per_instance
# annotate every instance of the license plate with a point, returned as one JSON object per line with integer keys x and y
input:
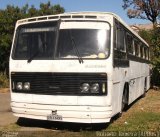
{"x": 54, "y": 117}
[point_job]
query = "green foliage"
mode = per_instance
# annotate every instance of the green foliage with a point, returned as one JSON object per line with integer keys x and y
{"x": 138, "y": 121}
{"x": 8, "y": 18}
{"x": 4, "y": 82}
{"x": 153, "y": 38}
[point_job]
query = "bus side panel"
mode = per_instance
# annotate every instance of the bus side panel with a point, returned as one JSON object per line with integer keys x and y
{"x": 116, "y": 94}
{"x": 119, "y": 78}
{"x": 137, "y": 74}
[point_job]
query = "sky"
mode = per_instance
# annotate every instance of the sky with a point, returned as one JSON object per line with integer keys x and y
{"x": 114, "y": 6}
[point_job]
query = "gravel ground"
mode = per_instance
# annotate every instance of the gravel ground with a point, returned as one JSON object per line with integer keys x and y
{"x": 6, "y": 116}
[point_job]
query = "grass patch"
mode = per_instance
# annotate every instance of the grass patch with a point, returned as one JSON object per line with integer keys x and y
{"x": 144, "y": 115}
{"x": 146, "y": 121}
{"x": 4, "y": 81}
{"x": 11, "y": 127}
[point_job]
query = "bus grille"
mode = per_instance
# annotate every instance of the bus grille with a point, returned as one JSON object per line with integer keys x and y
{"x": 55, "y": 83}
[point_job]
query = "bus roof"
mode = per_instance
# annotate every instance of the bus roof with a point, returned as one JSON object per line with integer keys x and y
{"x": 80, "y": 15}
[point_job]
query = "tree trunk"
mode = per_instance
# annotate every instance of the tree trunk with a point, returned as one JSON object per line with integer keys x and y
{"x": 154, "y": 24}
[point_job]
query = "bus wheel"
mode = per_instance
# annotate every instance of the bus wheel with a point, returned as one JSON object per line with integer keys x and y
{"x": 124, "y": 99}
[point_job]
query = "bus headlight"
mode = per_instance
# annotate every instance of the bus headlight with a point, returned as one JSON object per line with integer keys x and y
{"x": 95, "y": 88}
{"x": 85, "y": 88}
{"x": 19, "y": 86}
{"x": 26, "y": 86}
{"x": 103, "y": 88}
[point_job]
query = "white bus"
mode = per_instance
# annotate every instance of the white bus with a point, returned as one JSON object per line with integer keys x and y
{"x": 82, "y": 67}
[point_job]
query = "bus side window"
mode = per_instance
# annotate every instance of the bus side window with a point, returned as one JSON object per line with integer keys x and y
{"x": 147, "y": 54}
{"x": 129, "y": 43}
{"x": 115, "y": 36}
{"x": 136, "y": 45}
{"x": 120, "y": 39}
{"x": 120, "y": 56}
{"x": 141, "y": 50}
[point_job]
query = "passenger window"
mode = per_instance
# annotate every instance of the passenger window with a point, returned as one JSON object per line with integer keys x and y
{"x": 119, "y": 42}
{"x": 145, "y": 53}
{"x": 136, "y": 45}
{"x": 120, "y": 39}
{"x": 147, "y": 57}
{"x": 115, "y": 37}
{"x": 141, "y": 50}
{"x": 129, "y": 43}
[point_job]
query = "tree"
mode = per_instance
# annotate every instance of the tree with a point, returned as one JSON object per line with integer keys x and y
{"x": 48, "y": 9}
{"x": 143, "y": 9}
{"x": 153, "y": 39}
{"x": 8, "y": 18}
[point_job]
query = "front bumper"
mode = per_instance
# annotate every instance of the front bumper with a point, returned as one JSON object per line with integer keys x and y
{"x": 76, "y": 114}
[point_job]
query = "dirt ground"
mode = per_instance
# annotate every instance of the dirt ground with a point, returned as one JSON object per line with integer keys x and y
{"x": 6, "y": 116}
{"x": 9, "y": 121}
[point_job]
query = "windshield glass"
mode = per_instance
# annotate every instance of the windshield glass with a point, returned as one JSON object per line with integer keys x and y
{"x": 62, "y": 40}
{"x": 35, "y": 41}
{"x": 90, "y": 43}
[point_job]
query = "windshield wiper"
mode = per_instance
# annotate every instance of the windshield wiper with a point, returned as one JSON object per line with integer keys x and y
{"x": 75, "y": 48}
{"x": 32, "y": 57}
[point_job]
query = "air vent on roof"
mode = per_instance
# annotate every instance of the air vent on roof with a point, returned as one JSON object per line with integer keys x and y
{"x": 77, "y": 16}
{"x": 29, "y": 20}
{"x": 53, "y": 17}
{"x": 43, "y": 18}
{"x": 64, "y": 17}
{"x": 22, "y": 21}
{"x": 91, "y": 17}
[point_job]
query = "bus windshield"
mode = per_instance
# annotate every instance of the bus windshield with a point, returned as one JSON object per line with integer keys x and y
{"x": 47, "y": 40}
{"x": 90, "y": 43}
